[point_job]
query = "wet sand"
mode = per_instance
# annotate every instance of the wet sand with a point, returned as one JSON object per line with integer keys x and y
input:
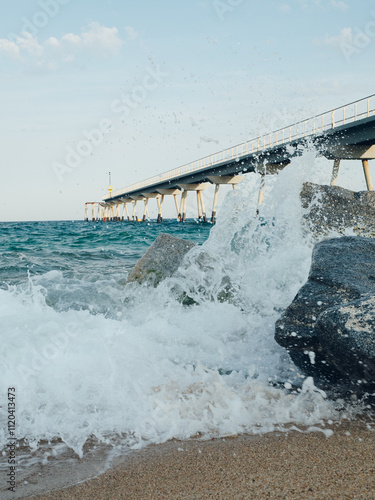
{"x": 279, "y": 465}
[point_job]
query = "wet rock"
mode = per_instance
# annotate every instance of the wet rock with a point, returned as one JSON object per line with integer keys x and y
{"x": 332, "y": 208}
{"x": 347, "y": 333}
{"x": 161, "y": 260}
{"x": 342, "y": 276}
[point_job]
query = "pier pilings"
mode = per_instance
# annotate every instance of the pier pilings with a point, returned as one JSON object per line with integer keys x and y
{"x": 111, "y": 211}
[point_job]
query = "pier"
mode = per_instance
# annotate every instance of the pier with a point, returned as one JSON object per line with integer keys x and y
{"x": 344, "y": 133}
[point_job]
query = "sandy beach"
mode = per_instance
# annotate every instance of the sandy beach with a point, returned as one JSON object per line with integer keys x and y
{"x": 278, "y": 465}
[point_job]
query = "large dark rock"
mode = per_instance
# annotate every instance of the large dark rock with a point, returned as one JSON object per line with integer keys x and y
{"x": 332, "y": 313}
{"x": 332, "y": 208}
{"x": 347, "y": 333}
{"x": 161, "y": 260}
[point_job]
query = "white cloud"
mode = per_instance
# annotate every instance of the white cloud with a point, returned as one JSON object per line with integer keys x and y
{"x": 101, "y": 38}
{"x": 20, "y": 44}
{"x": 344, "y": 37}
{"x": 73, "y": 39}
{"x": 131, "y": 33}
{"x": 96, "y": 38}
{"x": 9, "y": 48}
{"x": 52, "y": 42}
{"x": 30, "y": 44}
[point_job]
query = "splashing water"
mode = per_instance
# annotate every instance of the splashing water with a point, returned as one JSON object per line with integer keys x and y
{"x": 91, "y": 356}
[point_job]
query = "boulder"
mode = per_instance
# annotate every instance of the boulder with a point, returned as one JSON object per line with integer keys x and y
{"x": 332, "y": 208}
{"x": 161, "y": 260}
{"x": 332, "y": 313}
{"x": 347, "y": 333}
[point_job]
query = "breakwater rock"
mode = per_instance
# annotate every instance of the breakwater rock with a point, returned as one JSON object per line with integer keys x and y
{"x": 332, "y": 208}
{"x": 329, "y": 328}
{"x": 161, "y": 260}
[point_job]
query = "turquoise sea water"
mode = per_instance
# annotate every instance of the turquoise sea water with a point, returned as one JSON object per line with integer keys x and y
{"x": 94, "y": 359}
{"x": 75, "y": 261}
{"x": 80, "y": 249}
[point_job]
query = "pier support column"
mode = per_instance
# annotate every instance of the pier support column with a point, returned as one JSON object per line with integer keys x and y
{"x": 183, "y": 206}
{"x": 366, "y": 170}
{"x": 199, "y": 206}
{"x": 216, "y": 195}
{"x": 261, "y": 191}
{"x": 145, "y": 197}
{"x": 191, "y": 187}
{"x": 335, "y": 171}
{"x": 170, "y": 192}
{"x": 200, "y": 196}
{"x": 177, "y": 207}
{"x": 127, "y": 213}
{"x": 145, "y": 211}
{"x": 219, "y": 180}
{"x": 93, "y": 212}
{"x": 160, "y": 202}
{"x": 86, "y": 213}
{"x": 134, "y": 217}
{"x": 117, "y": 218}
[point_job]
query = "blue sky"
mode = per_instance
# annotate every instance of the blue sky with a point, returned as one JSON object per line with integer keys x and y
{"x": 157, "y": 84}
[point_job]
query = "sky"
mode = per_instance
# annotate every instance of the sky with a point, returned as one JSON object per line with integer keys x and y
{"x": 139, "y": 88}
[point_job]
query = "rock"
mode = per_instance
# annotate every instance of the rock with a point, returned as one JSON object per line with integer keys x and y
{"x": 161, "y": 260}
{"x": 342, "y": 276}
{"x": 332, "y": 208}
{"x": 347, "y": 333}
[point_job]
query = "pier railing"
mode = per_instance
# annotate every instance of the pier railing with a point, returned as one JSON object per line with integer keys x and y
{"x": 315, "y": 125}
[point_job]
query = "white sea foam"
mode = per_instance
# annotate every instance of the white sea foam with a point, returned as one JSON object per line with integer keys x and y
{"x": 156, "y": 369}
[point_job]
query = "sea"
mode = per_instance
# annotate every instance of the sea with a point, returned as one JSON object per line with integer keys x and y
{"x": 95, "y": 367}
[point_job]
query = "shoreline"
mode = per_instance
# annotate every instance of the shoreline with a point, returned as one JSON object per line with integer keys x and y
{"x": 290, "y": 465}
